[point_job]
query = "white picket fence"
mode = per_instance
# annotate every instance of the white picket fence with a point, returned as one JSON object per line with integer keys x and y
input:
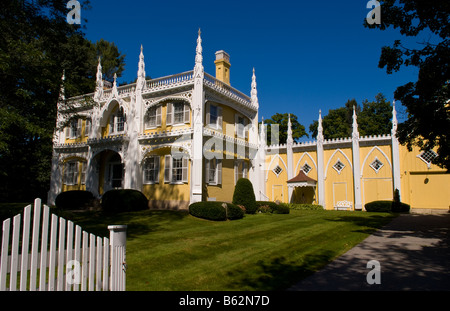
{"x": 74, "y": 259}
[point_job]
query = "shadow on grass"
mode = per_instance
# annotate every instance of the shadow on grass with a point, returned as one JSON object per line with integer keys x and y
{"x": 139, "y": 223}
{"x": 366, "y": 224}
{"x": 279, "y": 273}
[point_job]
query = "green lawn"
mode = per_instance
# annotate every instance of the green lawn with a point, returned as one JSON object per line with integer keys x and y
{"x": 169, "y": 250}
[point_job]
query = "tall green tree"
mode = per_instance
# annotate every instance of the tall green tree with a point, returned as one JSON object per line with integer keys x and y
{"x": 36, "y": 46}
{"x": 281, "y": 120}
{"x": 374, "y": 118}
{"x": 338, "y": 122}
{"x": 427, "y": 99}
{"x": 113, "y": 62}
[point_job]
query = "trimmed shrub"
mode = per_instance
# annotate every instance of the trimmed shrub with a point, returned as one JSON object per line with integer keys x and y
{"x": 272, "y": 207}
{"x": 387, "y": 207}
{"x": 214, "y": 210}
{"x": 124, "y": 200}
{"x": 400, "y": 207}
{"x": 235, "y": 211}
{"x": 74, "y": 200}
{"x": 281, "y": 208}
{"x": 379, "y": 206}
{"x": 244, "y": 195}
{"x": 308, "y": 207}
{"x": 266, "y": 206}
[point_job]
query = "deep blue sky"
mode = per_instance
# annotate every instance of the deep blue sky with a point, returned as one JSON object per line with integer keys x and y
{"x": 308, "y": 55}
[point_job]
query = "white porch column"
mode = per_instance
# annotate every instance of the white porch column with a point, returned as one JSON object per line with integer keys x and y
{"x": 320, "y": 164}
{"x": 198, "y": 104}
{"x": 356, "y": 164}
{"x": 395, "y": 152}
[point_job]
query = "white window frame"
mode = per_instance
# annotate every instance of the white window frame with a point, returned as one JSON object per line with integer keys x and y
{"x": 425, "y": 159}
{"x": 309, "y": 166}
{"x": 155, "y": 168}
{"x": 71, "y": 173}
{"x": 213, "y": 168}
{"x": 240, "y": 126}
{"x": 240, "y": 170}
{"x": 74, "y": 129}
{"x": 153, "y": 112}
{"x": 275, "y": 169}
{"x": 337, "y": 170}
{"x": 218, "y": 117}
{"x": 185, "y": 113}
{"x": 115, "y": 122}
{"x": 87, "y": 127}
{"x": 374, "y": 167}
{"x": 171, "y": 172}
{"x": 83, "y": 172}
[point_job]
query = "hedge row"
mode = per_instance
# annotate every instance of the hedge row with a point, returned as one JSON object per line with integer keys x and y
{"x": 310, "y": 207}
{"x": 74, "y": 200}
{"x": 215, "y": 210}
{"x": 272, "y": 207}
{"x": 387, "y": 207}
{"x": 123, "y": 200}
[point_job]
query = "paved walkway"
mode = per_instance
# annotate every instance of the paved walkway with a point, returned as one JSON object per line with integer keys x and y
{"x": 413, "y": 252}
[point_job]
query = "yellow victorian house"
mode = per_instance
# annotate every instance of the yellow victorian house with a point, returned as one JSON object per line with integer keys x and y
{"x": 190, "y": 136}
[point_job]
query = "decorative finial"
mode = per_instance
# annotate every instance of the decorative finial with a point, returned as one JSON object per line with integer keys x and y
{"x": 320, "y": 128}
{"x": 394, "y": 119}
{"x": 254, "y": 91}
{"x": 198, "y": 56}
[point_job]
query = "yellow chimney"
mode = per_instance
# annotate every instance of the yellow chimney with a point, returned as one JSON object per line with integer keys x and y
{"x": 223, "y": 66}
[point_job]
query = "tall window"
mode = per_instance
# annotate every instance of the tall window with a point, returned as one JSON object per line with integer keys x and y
{"x": 240, "y": 126}
{"x": 176, "y": 169}
{"x": 71, "y": 173}
{"x": 240, "y": 170}
{"x": 88, "y": 126}
{"x": 83, "y": 172}
{"x": 120, "y": 121}
{"x": 177, "y": 113}
{"x": 74, "y": 129}
{"x": 117, "y": 122}
{"x": 214, "y": 116}
{"x": 153, "y": 117}
{"x": 213, "y": 172}
{"x": 151, "y": 170}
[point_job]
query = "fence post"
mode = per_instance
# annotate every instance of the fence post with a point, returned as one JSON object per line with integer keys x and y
{"x": 118, "y": 241}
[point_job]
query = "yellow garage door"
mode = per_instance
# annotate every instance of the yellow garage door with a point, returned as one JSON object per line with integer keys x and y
{"x": 430, "y": 191}
{"x": 375, "y": 189}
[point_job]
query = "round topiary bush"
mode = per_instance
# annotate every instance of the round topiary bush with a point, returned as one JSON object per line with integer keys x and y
{"x": 245, "y": 196}
{"x": 214, "y": 210}
{"x": 74, "y": 200}
{"x": 124, "y": 200}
